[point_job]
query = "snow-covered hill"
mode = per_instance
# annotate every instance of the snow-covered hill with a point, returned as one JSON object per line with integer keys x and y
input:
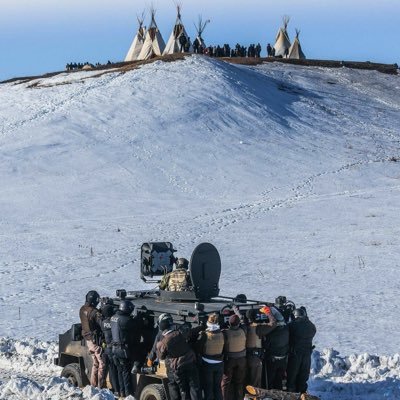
{"x": 290, "y": 171}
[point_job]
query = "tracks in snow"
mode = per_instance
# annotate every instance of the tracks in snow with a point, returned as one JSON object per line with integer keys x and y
{"x": 300, "y": 192}
{"x": 54, "y": 106}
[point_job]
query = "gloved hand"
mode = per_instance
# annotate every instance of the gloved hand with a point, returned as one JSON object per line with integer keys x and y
{"x": 237, "y": 312}
{"x": 265, "y": 310}
{"x": 149, "y": 363}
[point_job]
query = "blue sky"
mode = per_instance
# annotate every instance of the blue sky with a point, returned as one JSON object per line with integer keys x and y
{"x": 38, "y": 36}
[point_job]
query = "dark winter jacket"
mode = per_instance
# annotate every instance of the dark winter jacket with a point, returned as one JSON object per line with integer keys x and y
{"x": 127, "y": 332}
{"x": 174, "y": 348}
{"x": 90, "y": 320}
{"x": 153, "y": 353}
{"x": 182, "y": 39}
{"x": 106, "y": 329}
{"x": 276, "y": 344}
{"x": 302, "y": 332}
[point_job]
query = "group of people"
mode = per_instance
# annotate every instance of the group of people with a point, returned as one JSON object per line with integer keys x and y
{"x": 117, "y": 341}
{"x": 252, "y": 50}
{"x": 73, "y": 66}
{"x": 185, "y": 44}
{"x": 216, "y": 359}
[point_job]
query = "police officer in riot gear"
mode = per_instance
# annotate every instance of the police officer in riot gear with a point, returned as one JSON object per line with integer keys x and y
{"x": 107, "y": 312}
{"x": 126, "y": 333}
{"x": 91, "y": 319}
{"x": 178, "y": 280}
{"x": 285, "y": 307}
{"x": 301, "y": 334}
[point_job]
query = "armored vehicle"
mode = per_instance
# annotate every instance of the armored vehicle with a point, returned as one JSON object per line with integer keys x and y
{"x": 189, "y": 308}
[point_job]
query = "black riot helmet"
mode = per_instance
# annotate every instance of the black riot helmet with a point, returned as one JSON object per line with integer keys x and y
{"x": 165, "y": 321}
{"x": 107, "y": 311}
{"x": 300, "y": 313}
{"x": 126, "y": 307}
{"x": 182, "y": 263}
{"x": 92, "y": 298}
{"x": 280, "y": 301}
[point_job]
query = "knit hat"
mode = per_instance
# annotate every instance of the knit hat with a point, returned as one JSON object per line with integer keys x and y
{"x": 234, "y": 320}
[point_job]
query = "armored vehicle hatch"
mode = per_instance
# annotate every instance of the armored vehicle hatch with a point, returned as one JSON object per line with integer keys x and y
{"x": 157, "y": 260}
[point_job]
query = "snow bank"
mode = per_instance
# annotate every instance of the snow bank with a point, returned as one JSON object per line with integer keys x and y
{"x": 28, "y": 356}
{"x": 55, "y": 388}
{"x": 27, "y": 371}
{"x": 362, "y": 376}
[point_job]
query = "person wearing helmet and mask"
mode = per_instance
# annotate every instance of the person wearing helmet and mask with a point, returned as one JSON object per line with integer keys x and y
{"x": 91, "y": 319}
{"x": 108, "y": 311}
{"x": 126, "y": 333}
{"x": 301, "y": 334}
{"x": 235, "y": 359}
{"x": 178, "y": 280}
{"x": 180, "y": 362}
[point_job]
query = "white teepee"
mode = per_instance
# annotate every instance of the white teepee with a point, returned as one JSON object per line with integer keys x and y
{"x": 282, "y": 41}
{"x": 173, "y": 44}
{"x": 137, "y": 44}
{"x": 295, "y": 49}
{"x": 154, "y": 44}
{"x": 200, "y": 27}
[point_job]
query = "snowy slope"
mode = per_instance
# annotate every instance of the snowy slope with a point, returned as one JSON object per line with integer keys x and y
{"x": 287, "y": 170}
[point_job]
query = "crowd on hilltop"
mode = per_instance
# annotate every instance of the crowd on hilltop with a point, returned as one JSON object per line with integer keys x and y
{"x": 252, "y": 51}
{"x": 73, "y": 66}
{"x": 238, "y": 51}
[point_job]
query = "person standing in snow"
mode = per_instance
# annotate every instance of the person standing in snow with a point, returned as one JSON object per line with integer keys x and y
{"x": 127, "y": 333}
{"x": 301, "y": 334}
{"x": 256, "y": 331}
{"x": 107, "y": 312}
{"x": 276, "y": 346}
{"x": 91, "y": 319}
{"x": 210, "y": 347}
{"x": 269, "y": 50}
{"x": 196, "y": 45}
{"x": 235, "y": 360}
{"x": 182, "y": 42}
{"x": 180, "y": 362}
{"x": 187, "y": 45}
{"x": 258, "y": 50}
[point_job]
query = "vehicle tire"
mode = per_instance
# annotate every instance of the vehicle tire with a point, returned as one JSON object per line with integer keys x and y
{"x": 73, "y": 373}
{"x": 153, "y": 392}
